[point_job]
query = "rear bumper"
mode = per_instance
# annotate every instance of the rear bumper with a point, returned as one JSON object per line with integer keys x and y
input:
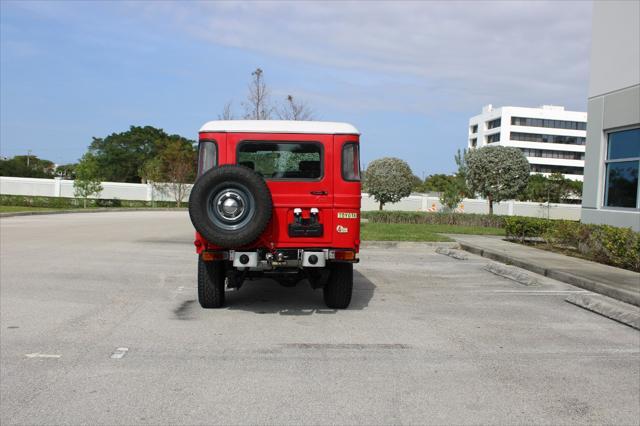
{"x": 263, "y": 259}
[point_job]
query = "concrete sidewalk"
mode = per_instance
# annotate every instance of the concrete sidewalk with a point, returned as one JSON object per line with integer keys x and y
{"x": 617, "y": 283}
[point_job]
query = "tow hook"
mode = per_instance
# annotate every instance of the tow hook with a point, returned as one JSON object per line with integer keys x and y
{"x": 277, "y": 259}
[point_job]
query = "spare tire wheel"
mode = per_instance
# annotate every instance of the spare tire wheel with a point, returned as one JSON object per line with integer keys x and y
{"x": 230, "y": 206}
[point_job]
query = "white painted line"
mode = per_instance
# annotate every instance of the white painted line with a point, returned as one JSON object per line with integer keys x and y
{"x": 540, "y": 291}
{"x": 119, "y": 353}
{"x": 39, "y": 355}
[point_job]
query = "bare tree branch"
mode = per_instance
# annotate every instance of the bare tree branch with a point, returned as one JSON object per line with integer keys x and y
{"x": 227, "y": 112}
{"x": 295, "y": 110}
{"x": 257, "y": 106}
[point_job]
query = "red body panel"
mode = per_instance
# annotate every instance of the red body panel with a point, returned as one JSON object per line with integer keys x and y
{"x": 339, "y": 209}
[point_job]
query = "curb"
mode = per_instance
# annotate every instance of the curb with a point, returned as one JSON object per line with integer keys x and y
{"x": 101, "y": 210}
{"x": 513, "y": 273}
{"x": 608, "y": 307}
{"x": 585, "y": 283}
{"x": 452, "y": 253}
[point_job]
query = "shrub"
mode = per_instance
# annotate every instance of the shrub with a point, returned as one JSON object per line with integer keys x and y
{"x": 525, "y": 227}
{"x": 602, "y": 243}
{"x": 614, "y": 246}
{"x": 462, "y": 219}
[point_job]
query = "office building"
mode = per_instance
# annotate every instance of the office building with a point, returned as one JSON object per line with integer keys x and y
{"x": 552, "y": 139}
{"x": 611, "y": 194}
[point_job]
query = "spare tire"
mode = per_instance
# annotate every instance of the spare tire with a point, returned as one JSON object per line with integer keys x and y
{"x": 230, "y": 206}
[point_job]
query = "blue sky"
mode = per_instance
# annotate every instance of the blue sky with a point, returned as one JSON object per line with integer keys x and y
{"x": 407, "y": 74}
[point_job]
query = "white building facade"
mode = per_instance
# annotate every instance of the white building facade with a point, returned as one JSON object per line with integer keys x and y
{"x": 552, "y": 139}
{"x": 611, "y": 192}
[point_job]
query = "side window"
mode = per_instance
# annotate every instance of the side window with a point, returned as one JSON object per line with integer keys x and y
{"x": 351, "y": 162}
{"x": 207, "y": 156}
{"x": 622, "y": 165}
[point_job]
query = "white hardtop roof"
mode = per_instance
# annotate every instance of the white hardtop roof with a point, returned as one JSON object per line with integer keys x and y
{"x": 279, "y": 126}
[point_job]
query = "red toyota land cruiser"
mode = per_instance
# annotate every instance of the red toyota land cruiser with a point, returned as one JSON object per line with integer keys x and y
{"x": 278, "y": 199}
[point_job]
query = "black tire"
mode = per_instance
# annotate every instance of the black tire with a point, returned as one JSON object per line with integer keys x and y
{"x": 339, "y": 286}
{"x": 211, "y": 276}
{"x": 247, "y": 193}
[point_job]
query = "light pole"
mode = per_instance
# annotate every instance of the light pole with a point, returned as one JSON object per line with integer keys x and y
{"x": 28, "y": 156}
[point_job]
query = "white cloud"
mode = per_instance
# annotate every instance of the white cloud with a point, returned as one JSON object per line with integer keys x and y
{"x": 457, "y": 54}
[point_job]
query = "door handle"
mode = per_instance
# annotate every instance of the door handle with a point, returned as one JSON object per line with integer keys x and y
{"x": 319, "y": 193}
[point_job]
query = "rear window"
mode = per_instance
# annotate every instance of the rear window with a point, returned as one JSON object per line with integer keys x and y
{"x": 207, "y": 156}
{"x": 350, "y": 162}
{"x": 282, "y": 160}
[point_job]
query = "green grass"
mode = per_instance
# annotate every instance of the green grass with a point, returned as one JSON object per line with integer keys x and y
{"x": 461, "y": 229}
{"x": 16, "y": 209}
{"x": 419, "y": 232}
{"x": 398, "y": 232}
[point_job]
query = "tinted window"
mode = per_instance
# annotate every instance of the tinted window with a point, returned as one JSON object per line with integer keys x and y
{"x": 624, "y": 144}
{"x": 350, "y": 162}
{"x": 282, "y": 160}
{"x": 207, "y": 156}
{"x": 622, "y": 164}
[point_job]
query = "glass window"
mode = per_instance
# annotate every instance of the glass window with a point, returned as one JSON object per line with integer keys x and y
{"x": 556, "y": 124}
{"x": 494, "y": 123}
{"x": 207, "y": 156}
{"x": 493, "y": 138}
{"x": 350, "y": 162}
{"x": 621, "y": 169}
{"x": 282, "y": 160}
{"x": 624, "y": 144}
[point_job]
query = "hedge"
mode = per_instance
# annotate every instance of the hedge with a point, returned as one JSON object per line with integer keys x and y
{"x": 462, "y": 219}
{"x": 74, "y": 203}
{"x": 602, "y": 243}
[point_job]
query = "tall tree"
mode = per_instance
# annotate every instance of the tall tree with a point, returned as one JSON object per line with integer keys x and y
{"x": 179, "y": 168}
{"x": 388, "y": 180}
{"x": 120, "y": 156}
{"x": 293, "y": 109}
{"x": 497, "y": 173}
{"x": 27, "y": 166}
{"x": 173, "y": 170}
{"x": 257, "y": 106}
{"x": 438, "y": 182}
{"x": 87, "y": 182}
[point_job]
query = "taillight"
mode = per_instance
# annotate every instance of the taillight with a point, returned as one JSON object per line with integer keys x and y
{"x": 210, "y": 256}
{"x": 342, "y": 254}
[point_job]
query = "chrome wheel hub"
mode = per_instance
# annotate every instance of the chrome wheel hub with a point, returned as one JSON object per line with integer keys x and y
{"x": 230, "y": 205}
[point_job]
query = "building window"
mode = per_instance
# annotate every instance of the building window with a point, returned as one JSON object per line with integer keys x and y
{"x": 535, "y": 137}
{"x": 548, "y": 153}
{"x": 473, "y": 129}
{"x": 565, "y": 170}
{"x": 553, "y": 124}
{"x": 493, "y": 138}
{"x": 621, "y": 169}
{"x": 493, "y": 123}
{"x": 474, "y": 142}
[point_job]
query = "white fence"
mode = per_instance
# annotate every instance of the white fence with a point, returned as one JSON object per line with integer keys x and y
{"x": 422, "y": 202}
{"x": 415, "y": 202}
{"x": 64, "y": 188}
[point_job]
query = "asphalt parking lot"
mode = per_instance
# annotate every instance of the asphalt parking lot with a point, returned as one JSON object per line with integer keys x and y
{"x": 100, "y": 324}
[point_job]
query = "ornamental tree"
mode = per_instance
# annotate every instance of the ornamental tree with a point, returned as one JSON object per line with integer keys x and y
{"x": 497, "y": 173}
{"x": 87, "y": 182}
{"x": 388, "y": 180}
